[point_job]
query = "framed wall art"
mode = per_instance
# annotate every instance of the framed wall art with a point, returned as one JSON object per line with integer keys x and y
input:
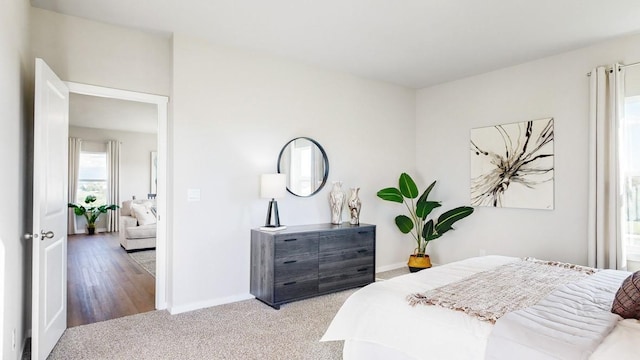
{"x": 512, "y": 165}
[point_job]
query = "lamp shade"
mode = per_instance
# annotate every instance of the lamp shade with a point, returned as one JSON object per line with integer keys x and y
{"x": 273, "y": 186}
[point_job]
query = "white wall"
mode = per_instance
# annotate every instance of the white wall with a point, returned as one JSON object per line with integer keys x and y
{"x": 233, "y": 111}
{"x": 135, "y": 157}
{"x": 94, "y": 53}
{"x": 15, "y": 87}
{"x": 552, "y": 87}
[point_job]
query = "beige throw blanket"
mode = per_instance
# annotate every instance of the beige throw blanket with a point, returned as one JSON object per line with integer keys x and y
{"x": 490, "y": 294}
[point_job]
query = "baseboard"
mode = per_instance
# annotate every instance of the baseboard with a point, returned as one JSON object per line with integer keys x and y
{"x": 173, "y": 310}
{"x": 390, "y": 267}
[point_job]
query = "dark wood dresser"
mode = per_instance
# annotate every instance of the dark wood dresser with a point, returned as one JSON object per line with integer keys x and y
{"x": 309, "y": 260}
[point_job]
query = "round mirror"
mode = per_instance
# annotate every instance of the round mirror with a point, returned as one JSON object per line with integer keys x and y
{"x": 305, "y": 163}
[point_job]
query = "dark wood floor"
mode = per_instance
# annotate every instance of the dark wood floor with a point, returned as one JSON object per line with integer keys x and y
{"x": 103, "y": 281}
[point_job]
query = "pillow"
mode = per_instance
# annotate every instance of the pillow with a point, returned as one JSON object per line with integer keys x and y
{"x": 147, "y": 203}
{"x": 627, "y": 300}
{"x": 125, "y": 209}
{"x": 143, "y": 214}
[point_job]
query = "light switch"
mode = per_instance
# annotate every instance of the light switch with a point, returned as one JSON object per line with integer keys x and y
{"x": 193, "y": 195}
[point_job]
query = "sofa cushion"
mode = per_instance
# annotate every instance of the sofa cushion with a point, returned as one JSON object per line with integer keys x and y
{"x": 144, "y": 214}
{"x": 125, "y": 209}
{"x": 140, "y": 232}
{"x": 127, "y": 221}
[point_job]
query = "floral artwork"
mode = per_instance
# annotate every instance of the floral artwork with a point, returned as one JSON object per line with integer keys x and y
{"x": 512, "y": 165}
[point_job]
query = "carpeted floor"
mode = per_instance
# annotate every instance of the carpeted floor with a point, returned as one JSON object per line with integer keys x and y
{"x": 242, "y": 330}
{"x": 392, "y": 273}
{"x": 146, "y": 259}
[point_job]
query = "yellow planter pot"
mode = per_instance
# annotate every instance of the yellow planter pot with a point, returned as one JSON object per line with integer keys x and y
{"x": 418, "y": 262}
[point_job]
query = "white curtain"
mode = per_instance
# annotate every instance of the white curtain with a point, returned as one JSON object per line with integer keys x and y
{"x": 605, "y": 250}
{"x": 113, "y": 183}
{"x": 75, "y": 145}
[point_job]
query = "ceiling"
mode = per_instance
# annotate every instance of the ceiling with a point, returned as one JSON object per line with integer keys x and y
{"x": 415, "y": 43}
{"x": 113, "y": 114}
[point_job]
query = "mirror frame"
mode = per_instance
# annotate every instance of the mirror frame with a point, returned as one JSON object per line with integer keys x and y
{"x": 325, "y": 176}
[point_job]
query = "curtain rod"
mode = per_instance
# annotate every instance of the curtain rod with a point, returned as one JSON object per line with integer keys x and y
{"x": 620, "y": 67}
{"x": 629, "y": 65}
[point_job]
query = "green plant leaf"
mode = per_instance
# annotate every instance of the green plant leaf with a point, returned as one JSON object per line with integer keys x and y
{"x": 408, "y": 187}
{"x": 391, "y": 194}
{"x": 423, "y": 209}
{"x": 427, "y": 229}
{"x": 404, "y": 223}
{"x": 91, "y": 213}
{"x": 425, "y": 195}
{"x": 447, "y": 219}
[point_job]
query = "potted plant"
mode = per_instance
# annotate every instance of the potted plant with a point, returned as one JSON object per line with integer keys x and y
{"x": 91, "y": 212}
{"x": 422, "y": 230}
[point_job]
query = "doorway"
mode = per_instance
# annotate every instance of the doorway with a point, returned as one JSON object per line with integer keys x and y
{"x": 160, "y": 104}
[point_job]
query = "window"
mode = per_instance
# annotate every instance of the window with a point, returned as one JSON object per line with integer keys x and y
{"x": 92, "y": 176}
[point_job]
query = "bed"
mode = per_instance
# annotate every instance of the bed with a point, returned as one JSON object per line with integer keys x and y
{"x": 377, "y": 321}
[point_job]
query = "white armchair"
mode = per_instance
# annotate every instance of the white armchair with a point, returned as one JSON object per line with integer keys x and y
{"x": 137, "y": 232}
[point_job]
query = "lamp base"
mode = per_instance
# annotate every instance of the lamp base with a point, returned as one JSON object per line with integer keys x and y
{"x": 273, "y": 208}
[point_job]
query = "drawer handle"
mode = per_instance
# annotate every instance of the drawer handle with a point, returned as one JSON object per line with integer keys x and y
{"x": 290, "y": 262}
{"x": 290, "y": 239}
{"x": 361, "y": 251}
{"x": 289, "y": 283}
{"x": 363, "y": 232}
{"x": 363, "y": 269}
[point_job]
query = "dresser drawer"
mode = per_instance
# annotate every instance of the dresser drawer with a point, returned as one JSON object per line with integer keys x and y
{"x": 354, "y": 238}
{"x": 345, "y": 258}
{"x": 295, "y": 289}
{"x": 339, "y": 279}
{"x": 301, "y": 268}
{"x": 294, "y": 246}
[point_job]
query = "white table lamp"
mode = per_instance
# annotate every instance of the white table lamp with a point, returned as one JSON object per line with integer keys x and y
{"x": 273, "y": 186}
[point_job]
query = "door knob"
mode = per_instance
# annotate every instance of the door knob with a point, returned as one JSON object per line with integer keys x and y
{"x": 29, "y": 236}
{"x": 46, "y": 235}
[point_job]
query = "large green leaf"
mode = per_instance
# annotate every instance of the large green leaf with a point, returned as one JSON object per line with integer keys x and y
{"x": 79, "y": 210}
{"x": 447, "y": 219}
{"x": 408, "y": 187}
{"x": 425, "y": 194}
{"x": 428, "y": 231}
{"x": 390, "y": 194}
{"x": 423, "y": 209}
{"x": 404, "y": 223}
{"x": 103, "y": 208}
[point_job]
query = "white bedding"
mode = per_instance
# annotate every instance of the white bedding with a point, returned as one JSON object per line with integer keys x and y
{"x": 378, "y": 317}
{"x": 570, "y": 323}
{"x": 379, "y": 314}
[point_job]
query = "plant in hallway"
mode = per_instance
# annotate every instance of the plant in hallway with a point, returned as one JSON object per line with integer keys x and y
{"x": 91, "y": 212}
{"x": 422, "y": 230}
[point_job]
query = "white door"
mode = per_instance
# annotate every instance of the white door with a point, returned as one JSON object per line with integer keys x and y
{"x": 50, "y": 139}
